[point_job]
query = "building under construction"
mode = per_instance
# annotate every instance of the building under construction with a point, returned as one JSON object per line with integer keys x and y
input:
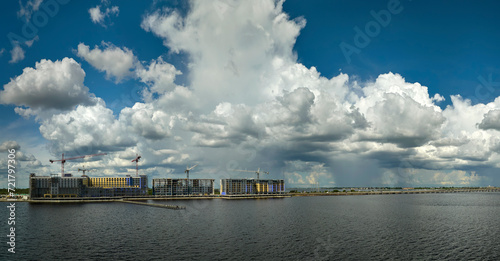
{"x": 251, "y": 186}
{"x": 84, "y": 186}
{"x": 181, "y": 187}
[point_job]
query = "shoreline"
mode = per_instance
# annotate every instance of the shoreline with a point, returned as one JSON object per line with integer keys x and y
{"x": 137, "y": 199}
{"x": 398, "y": 192}
{"x": 287, "y": 195}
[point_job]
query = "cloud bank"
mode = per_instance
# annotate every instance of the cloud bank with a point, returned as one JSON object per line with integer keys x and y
{"x": 250, "y": 103}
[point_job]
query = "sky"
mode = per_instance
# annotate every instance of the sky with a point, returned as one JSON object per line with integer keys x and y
{"x": 329, "y": 93}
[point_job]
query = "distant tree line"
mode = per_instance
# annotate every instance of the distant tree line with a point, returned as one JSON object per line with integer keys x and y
{"x": 5, "y": 191}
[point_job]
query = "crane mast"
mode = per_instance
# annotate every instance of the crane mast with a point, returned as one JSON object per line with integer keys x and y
{"x": 187, "y": 178}
{"x": 137, "y": 158}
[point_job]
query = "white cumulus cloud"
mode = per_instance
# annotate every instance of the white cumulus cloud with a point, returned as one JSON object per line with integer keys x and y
{"x": 98, "y": 17}
{"x": 115, "y": 61}
{"x": 86, "y": 129}
{"x": 50, "y": 85}
{"x": 159, "y": 75}
{"x": 230, "y": 54}
{"x": 17, "y": 54}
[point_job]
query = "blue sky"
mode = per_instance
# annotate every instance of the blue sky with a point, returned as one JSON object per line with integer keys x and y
{"x": 226, "y": 84}
{"x": 444, "y": 46}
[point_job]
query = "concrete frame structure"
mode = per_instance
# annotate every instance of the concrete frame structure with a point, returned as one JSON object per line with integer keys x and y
{"x": 252, "y": 186}
{"x": 84, "y": 186}
{"x": 179, "y": 187}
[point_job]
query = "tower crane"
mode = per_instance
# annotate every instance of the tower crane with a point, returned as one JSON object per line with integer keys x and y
{"x": 254, "y": 171}
{"x": 84, "y": 169}
{"x": 188, "y": 169}
{"x": 187, "y": 172}
{"x": 63, "y": 160}
{"x": 137, "y": 158}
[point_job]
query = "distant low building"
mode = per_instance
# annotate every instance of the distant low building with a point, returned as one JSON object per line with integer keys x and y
{"x": 84, "y": 186}
{"x": 181, "y": 187}
{"x": 251, "y": 186}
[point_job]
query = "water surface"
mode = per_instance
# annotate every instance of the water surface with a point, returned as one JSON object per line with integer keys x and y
{"x": 376, "y": 227}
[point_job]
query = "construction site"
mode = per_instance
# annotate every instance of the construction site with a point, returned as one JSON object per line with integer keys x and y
{"x": 183, "y": 187}
{"x": 84, "y": 186}
{"x": 238, "y": 187}
{"x": 252, "y": 187}
{"x": 66, "y": 185}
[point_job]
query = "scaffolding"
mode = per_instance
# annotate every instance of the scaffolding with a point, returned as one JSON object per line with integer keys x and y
{"x": 183, "y": 187}
{"x": 252, "y": 186}
{"x": 56, "y": 186}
